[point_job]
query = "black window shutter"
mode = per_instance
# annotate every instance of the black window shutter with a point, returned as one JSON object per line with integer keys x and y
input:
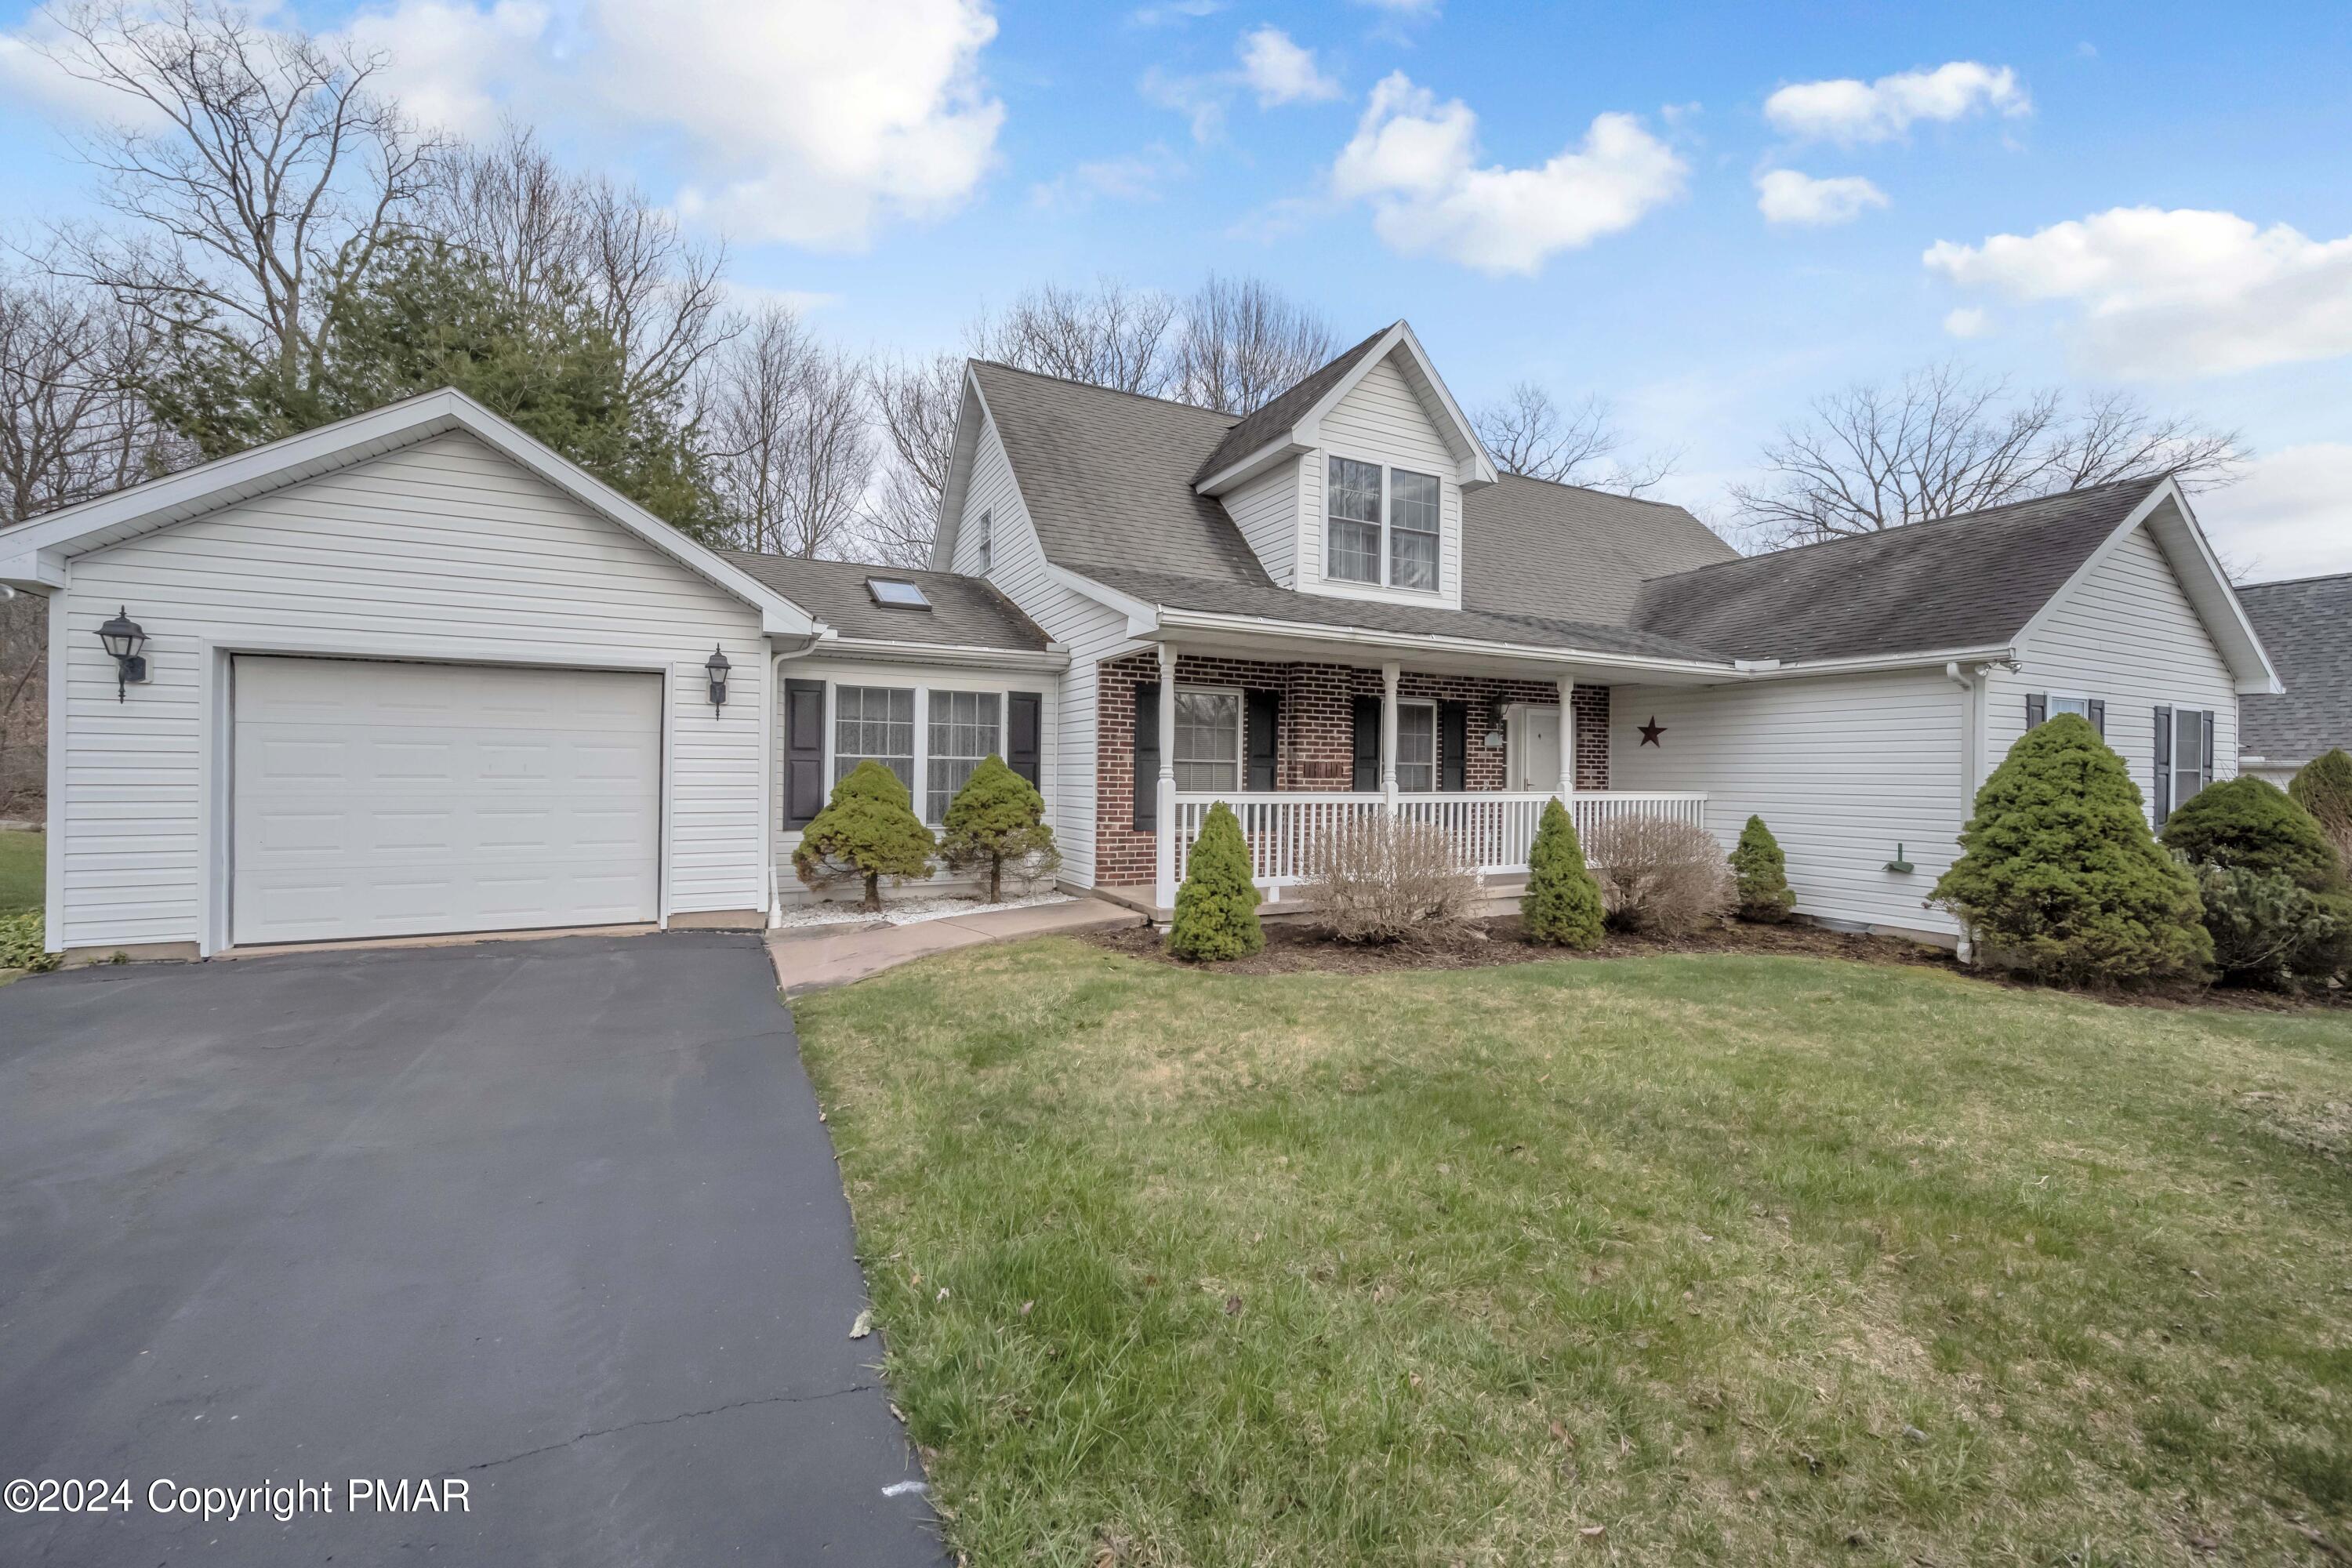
{"x": 1453, "y": 744}
{"x": 2207, "y": 776}
{"x": 2099, "y": 717}
{"x": 1147, "y": 755}
{"x": 2163, "y": 764}
{"x": 1023, "y": 729}
{"x": 2037, "y": 708}
{"x": 1368, "y": 743}
{"x": 1264, "y": 721}
{"x": 803, "y": 752}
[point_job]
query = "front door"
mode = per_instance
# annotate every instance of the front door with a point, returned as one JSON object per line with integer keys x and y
{"x": 1538, "y": 750}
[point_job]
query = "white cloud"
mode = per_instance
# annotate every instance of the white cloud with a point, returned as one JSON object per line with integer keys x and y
{"x": 1280, "y": 72}
{"x": 2290, "y": 516}
{"x": 1968, "y": 321}
{"x": 1850, "y": 111}
{"x": 1414, "y": 160}
{"x": 1785, "y": 195}
{"x": 1179, "y": 11}
{"x": 1136, "y": 177}
{"x": 447, "y": 59}
{"x": 2164, "y": 294}
{"x": 1199, "y": 99}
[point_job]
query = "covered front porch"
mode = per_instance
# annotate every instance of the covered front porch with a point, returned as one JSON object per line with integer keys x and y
{"x": 1301, "y": 747}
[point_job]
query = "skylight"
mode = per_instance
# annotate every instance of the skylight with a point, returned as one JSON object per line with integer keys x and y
{"x": 889, "y": 590}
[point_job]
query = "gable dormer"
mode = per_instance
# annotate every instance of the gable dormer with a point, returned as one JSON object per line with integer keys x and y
{"x": 1351, "y": 483}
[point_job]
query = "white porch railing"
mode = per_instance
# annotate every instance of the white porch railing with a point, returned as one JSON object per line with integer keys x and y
{"x": 1494, "y": 831}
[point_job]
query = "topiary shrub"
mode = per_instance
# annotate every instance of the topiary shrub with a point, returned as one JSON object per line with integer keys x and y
{"x": 1762, "y": 873}
{"x": 2323, "y": 788}
{"x": 2250, "y": 823}
{"x": 1562, "y": 903}
{"x": 867, "y": 830}
{"x": 998, "y": 819}
{"x": 2060, "y": 876}
{"x": 1660, "y": 876}
{"x": 1216, "y": 909}
{"x": 2272, "y": 884}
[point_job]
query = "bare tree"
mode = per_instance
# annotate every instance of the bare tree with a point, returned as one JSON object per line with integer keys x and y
{"x": 69, "y": 429}
{"x": 544, "y": 228}
{"x": 1943, "y": 441}
{"x": 1241, "y": 342}
{"x": 1528, "y": 433}
{"x": 916, "y": 403}
{"x": 260, "y": 168}
{"x": 792, "y": 456}
{"x": 1112, "y": 336}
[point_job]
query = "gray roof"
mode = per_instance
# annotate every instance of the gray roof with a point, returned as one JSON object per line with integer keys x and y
{"x": 1263, "y": 425}
{"x": 1972, "y": 581}
{"x": 1175, "y": 592}
{"x": 966, "y": 612}
{"x": 1561, "y": 551}
{"x": 2306, "y": 625}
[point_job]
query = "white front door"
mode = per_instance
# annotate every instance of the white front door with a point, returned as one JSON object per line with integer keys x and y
{"x": 381, "y": 799}
{"x": 1538, "y": 750}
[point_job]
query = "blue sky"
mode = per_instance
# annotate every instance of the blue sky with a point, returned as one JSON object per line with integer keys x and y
{"x": 2104, "y": 196}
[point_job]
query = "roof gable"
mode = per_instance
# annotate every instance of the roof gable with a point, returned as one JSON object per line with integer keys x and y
{"x": 35, "y": 552}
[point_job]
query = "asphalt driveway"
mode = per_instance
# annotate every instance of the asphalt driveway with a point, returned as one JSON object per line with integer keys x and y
{"x": 553, "y": 1220}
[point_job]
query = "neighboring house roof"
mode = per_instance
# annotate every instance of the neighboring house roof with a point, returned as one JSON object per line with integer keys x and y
{"x": 34, "y": 553}
{"x": 965, "y": 612}
{"x": 1256, "y": 428}
{"x": 2306, "y": 627}
{"x": 1530, "y": 547}
{"x": 1968, "y": 582}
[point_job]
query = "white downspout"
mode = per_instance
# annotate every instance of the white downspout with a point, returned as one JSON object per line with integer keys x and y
{"x": 1971, "y": 687}
{"x": 1164, "y": 814}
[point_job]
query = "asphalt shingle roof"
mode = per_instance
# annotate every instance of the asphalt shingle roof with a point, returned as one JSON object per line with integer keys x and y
{"x": 1565, "y": 553}
{"x": 1264, "y": 424}
{"x": 966, "y": 612}
{"x": 2306, "y": 627}
{"x": 1972, "y": 581}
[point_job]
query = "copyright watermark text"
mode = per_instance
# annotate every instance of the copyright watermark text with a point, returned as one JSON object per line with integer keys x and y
{"x": 267, "y": 1498}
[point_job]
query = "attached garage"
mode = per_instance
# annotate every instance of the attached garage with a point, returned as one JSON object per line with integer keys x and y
{"x": 374, "y": 798}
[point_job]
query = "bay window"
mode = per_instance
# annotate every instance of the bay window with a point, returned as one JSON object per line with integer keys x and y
{"x": 1382, "y": 526}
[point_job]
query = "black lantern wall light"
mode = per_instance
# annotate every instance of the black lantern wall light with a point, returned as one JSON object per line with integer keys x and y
{"x": 718, "y": 666}
{"x": 124, "y": 638}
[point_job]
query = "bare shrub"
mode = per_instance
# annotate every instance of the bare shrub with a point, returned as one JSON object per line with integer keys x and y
{"x": 1379, "y": 879}
{"x": 1658, "y": 875}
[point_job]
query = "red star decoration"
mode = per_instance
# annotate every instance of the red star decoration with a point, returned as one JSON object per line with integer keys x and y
{"x": 1650, "y": 732}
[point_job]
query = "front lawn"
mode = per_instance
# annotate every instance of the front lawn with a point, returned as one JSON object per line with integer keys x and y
{"x": 1675, "y": 1260}
{"x": 20, "y": 871}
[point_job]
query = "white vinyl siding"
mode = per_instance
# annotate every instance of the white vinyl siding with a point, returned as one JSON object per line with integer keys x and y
{"x": 1090, "y": 632}
{"x": 1267, "y": 511}
{"x": 1382, "y": 421}
{"x": 441, "y": 550}
{"x": 1841, "y": 768}
{"x": 2127, "y": 636}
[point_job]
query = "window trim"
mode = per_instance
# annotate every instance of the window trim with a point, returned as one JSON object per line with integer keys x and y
{"x": 1004, "y": 704}
{"x": 1241, "y": 736}
{"x": 1436, "y": 745}
{"x": 832, "y": 753}
{"x": 987, "y": 540}
{"x": 922, "y": 682}
{"x": 2051, "y": 698}
{"x": 2174, "y": 798}
{"x": 1386, "y": 549}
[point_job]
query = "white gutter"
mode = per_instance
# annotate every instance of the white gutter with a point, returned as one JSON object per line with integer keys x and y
{"x": 1052, "y": 656}
{"x": 1867, "y": 663}
{"x": 1363, "y": 636}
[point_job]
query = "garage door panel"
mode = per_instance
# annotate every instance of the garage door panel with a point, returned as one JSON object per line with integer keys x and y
{"x": 375, "y": 799}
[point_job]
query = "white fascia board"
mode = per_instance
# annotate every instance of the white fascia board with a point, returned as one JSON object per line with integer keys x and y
{"x": 1866, "y": 664}
{"x": 1249, "y": 467}
{"x": 40, "y": 570}
{"x": 1480, "y": 467}
{"x": 191, "y": 492}
{"x": 1134, "y": 609}
{"x": 1172, "y": 621}
{"x": 972, "y": 414}
{"x": 888, "y": 650}
{"x": 2233, "y": 633}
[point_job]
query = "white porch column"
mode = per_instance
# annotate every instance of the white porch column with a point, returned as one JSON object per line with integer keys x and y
{"x": 1164, "y": 813}
{"x": 1565, "y": 729}
{"x": 1389, "y": 673}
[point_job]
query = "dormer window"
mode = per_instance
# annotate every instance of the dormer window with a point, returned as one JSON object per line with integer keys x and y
{"x": 1383, "y": 527}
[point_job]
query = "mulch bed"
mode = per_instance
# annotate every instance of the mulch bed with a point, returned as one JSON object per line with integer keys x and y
{"x": 1298, "y": 947}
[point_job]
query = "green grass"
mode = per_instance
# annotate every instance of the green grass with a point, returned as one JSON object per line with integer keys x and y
{"x": 20, "y": 871}
{"x": 1454, "y": 1266}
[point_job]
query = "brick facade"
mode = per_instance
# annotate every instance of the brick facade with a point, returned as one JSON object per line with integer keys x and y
{"x": 1315, "y": 741}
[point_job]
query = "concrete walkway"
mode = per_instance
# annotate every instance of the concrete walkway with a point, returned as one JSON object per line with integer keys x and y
{"x": 835, "y": 955}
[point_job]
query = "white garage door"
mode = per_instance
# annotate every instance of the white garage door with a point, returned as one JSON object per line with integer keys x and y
{"x": 398, "y": 799}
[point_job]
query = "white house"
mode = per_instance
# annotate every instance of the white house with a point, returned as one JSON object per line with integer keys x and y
{"x": 415, "y": 673}
{"x": 2305, "y": 624}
